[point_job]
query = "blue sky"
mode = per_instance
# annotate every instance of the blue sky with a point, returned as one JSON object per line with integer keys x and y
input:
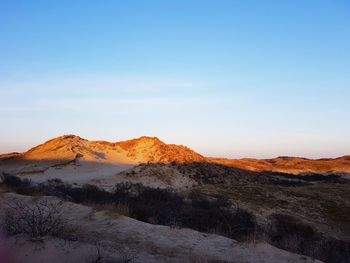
{"x": 227, "y": 78}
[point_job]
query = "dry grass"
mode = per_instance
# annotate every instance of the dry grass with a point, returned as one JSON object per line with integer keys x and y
{"x": 111, "y": 208}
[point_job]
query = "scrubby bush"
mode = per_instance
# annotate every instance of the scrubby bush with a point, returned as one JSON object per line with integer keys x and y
{"x": 37, "y": 219}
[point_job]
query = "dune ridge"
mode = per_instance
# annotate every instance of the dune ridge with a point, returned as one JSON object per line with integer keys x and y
{"x": 69, "y": 148}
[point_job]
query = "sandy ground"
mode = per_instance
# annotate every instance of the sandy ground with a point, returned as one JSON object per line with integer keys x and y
{"x": 84, "y": 173}
{"x": 121, "y": 237}
{"x": 80, "y": 173}
{"x": 102, "y": 174}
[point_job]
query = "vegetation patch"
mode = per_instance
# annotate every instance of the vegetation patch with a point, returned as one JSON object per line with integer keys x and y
{"x": 157, "y": 206}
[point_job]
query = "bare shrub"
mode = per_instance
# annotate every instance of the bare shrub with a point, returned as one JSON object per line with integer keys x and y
{"x": 37, "y": 219}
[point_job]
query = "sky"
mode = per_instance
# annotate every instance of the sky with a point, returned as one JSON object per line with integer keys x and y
{"x": 227, "y": 78}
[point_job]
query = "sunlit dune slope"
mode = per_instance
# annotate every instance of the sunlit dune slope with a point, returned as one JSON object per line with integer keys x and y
{"x": 141, "y": 150}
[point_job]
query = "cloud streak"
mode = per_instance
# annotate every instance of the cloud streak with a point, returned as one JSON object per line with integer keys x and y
{"x": 98, "y": 92}
{"x": 66, "y": 85}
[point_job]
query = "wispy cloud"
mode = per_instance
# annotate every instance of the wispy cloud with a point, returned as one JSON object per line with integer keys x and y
{"x": 101, "y": 92}
{"x": 94, "y": 84}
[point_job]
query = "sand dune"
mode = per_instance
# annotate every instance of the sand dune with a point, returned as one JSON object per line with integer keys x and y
{"x": 73, "y": 158}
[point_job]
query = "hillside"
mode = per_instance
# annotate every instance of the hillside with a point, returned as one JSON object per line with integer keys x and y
{"x": 109, "y": 158}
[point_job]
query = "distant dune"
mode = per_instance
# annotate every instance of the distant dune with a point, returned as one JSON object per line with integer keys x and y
{"x": 291, "y": 165}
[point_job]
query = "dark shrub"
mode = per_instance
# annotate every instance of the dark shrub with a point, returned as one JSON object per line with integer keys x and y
{"x": 206, "y": 216}
{"x": 20, "y": 186}
{"x": 91, "y": 193}
{"x": 333, "y": 250}
{"x": 290, "y": 233}
{"x": 11, "y": 180}
{"x": 285, "y": 225}
{"x": 159, "y": 204}
{"x": 85, "y": 194}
